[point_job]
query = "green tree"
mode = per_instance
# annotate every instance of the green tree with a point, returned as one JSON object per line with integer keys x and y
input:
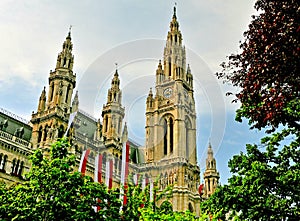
{"x": 265, "y": 180}
{"x": 53, "y": 191}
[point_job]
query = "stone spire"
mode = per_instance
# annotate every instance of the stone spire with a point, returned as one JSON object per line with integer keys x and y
{"x": 42, "y": 101}
{"x": 75, "y": 103}
{"x": 174, "y": 66}
{"x": 211, "y": 175}
{"x": 113, "y": 112}
{"x": 65, "y": 59}
{"x": 51, "y": 119}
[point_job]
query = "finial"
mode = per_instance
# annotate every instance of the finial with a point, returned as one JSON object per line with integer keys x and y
{"x": 116, "y": 73}
{"x": 174, "y": 15}
{"x": 69, "y": 34}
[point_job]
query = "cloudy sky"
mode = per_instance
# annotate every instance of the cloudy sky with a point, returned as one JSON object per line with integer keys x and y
{"x": 131, "y": 33}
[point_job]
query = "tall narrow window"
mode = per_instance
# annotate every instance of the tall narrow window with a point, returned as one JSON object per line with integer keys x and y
{"x": 171, "y": 126}
{"x": 1, "y": 161}
{"x": 67, "y": 94}
{"x": 165, "y": 137}
{"x": 170, "y": 66}
{"x": 51, "y": 91}
{"x": 61, "y": 131}
{"x": 21, "y": 169}
{"x": 106, "y": 124}
{"x": 45, "y": 132}
{"x": 187, "y": 142}
{"x": 40, "y": 134}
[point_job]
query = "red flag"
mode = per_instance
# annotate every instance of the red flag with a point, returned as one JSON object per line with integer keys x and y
{"x": 98, "y": 168}
{"x": 98, "y": 174}
{"x": 124, "y": 173}
{"x": 83, "y": 161}
{"x": 200, "y": 189}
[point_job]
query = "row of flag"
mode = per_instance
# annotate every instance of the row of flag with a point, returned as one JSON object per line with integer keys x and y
{"x": 124, "y": 173}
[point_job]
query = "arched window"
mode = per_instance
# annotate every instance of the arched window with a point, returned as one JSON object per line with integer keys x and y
{"x": 191, "y": 208}
{"x": 3, "y": 159}
{"x": 170, "y": 66}
{"x": 51, "y": 91}
{"x": 67, "y": 93}
{"x": 45, "y": 132}
{"x": 165, "y": 137}
{"x": 171, "y": 127}
{"x": 106, "y": 123}
{"x": 40, "y": 131}
{"x": 61, "y": 131}
{"x": 188, "y": 126}
{"x": 19, "y": 173}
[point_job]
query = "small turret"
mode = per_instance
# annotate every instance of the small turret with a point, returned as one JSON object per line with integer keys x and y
{"x": 150, "y": 99}
{"x": 42, "y": 101}
{"x": 75, "y": 103}
{"x": 113, "y": 112}
{"x": 65, "y": 59}
{"x": 211, "y": 175}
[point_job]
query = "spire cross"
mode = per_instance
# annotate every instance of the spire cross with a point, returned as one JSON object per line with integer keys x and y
{"x": 116, "y": 65}
{"x": 70, "y": 28}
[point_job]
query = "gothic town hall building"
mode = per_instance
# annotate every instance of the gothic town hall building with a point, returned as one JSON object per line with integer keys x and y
{"x": 169, "y": 153}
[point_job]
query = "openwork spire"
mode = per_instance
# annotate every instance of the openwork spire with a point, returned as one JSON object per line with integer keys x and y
{"x": 65, "y": 58}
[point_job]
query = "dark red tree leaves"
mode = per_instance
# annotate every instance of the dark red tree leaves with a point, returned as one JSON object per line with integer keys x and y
{"x": 267, "y": 69}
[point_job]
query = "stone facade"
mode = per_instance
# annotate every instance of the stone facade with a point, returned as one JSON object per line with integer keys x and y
{"x": 169, "y": 155}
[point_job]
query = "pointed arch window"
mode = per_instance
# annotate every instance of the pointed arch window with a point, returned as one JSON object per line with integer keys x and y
{"x": 61, "y": 131}
{"x": 67, "y": 94}
{"x": 165, "y": 137}
{"x": 3, "y": 159}
{"x": 45, "y": 132}
{"x": 105, "y": 123}
{"x": 168, "y": 140}
{"x": 170, "y": 66}
{"x": 171, "y": 134}
{"x": 40, "y": 132}
{"x": 51, "y": 91}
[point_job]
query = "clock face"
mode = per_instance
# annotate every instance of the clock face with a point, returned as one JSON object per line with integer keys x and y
{"x": 168, "y": 92}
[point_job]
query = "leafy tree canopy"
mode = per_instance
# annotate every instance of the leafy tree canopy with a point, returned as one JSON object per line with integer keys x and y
{"x": 53, "y": 191}
{"x": 265, "y": 180}
{"x": 267, "y": 68}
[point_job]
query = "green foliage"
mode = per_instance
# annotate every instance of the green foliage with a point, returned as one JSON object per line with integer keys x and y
{"x": 53, "y": 191}
{"x": 265, "y": 181}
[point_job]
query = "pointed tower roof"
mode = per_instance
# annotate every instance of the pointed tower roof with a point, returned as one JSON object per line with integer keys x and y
{"x": 115, "y": 83}
{"x": 65, "y": 58}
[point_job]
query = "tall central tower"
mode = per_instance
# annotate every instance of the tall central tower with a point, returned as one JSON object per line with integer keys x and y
{"x": 171, "y": 124}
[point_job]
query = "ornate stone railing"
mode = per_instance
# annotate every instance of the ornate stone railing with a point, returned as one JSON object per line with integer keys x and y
{"x": 14, "y": 116}
{"x": 16, "y": 140}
